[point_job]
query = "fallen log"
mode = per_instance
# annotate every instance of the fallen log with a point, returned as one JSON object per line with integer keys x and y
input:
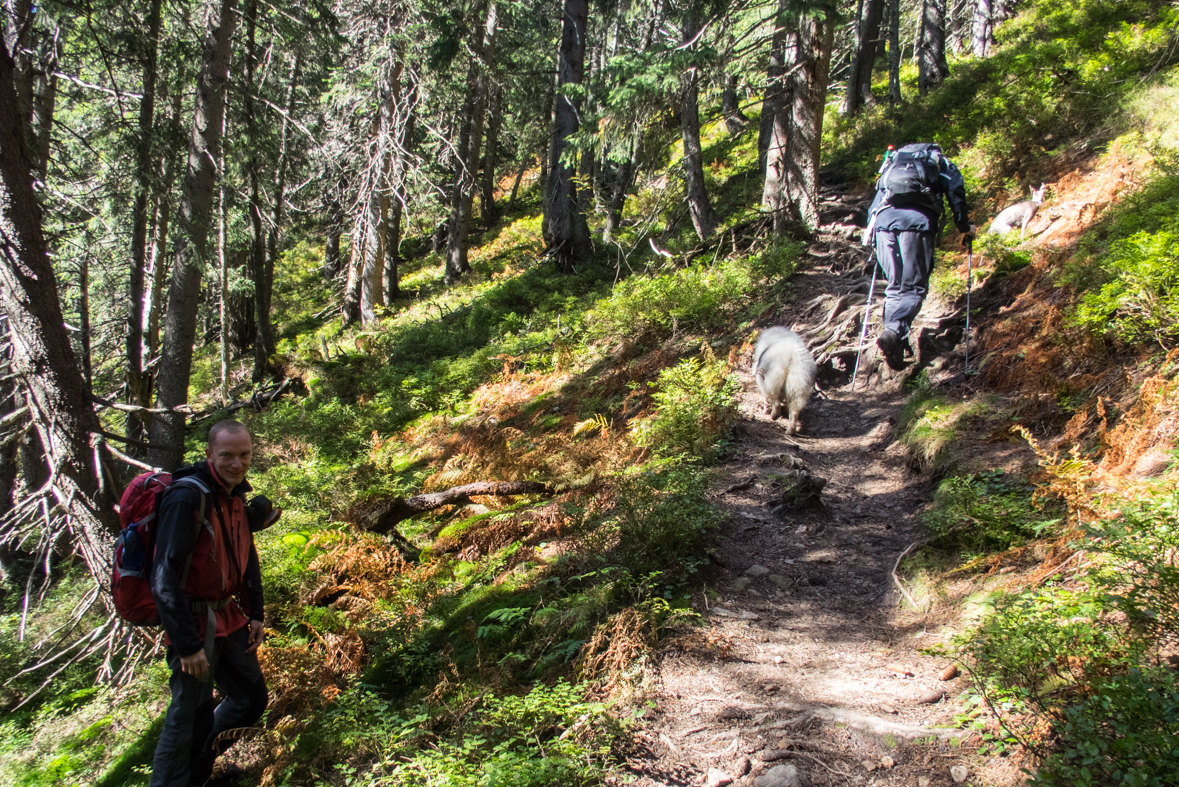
{"x": 382, "y": 516}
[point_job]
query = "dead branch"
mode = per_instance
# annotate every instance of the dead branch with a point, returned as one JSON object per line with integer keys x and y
{"x": 384, "y": 516}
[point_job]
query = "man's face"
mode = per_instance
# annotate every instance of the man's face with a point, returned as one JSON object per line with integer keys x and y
{"x": 230, "y": 456}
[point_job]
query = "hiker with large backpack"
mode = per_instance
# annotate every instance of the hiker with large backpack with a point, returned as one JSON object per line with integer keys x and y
{"x": 207, "y": 586}
{"x": 904, "y": 226}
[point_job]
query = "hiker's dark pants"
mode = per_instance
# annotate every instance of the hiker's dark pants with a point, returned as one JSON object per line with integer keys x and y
{"x": 906, "y": 257}
{"x": 188, "y": 743}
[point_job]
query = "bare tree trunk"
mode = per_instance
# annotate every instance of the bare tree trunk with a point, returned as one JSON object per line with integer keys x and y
{"x": 191, "y": 252}
{"x": 487, "y": 207}
{"x": 365, "y": 289}
{"x": 859, "y": 80}
{"x": 623, "y": 174}
{"x": 792, "y": 165}
{"x": 735, "y": 119}
{"x": 704, "y": 218}
{"x": 158, "y": 262}
{"x": 138, "y": 383}
{"x": 932, "y": 67}
{"x": 983, "y": 33}
{"x": 776, "y": 95}
{"x": 397, "y": 206}
{"x": 331, "y": 248}
{"x": 470, "y": 141}
{"x": 44, "y": 102}
{"x": 566, "y": 232}
{"x": 516, "y": 185}
{"x": 83, "y": 306}
{"x": 776, "y": 126}
{"x": 815, "y": 39}
{"x": 263, "y": 338}
{"x": 42, "y": 357}
{"x": 266, "y": 342}
{"x": 894, "y": 52}
{"x": 10, "y": 403}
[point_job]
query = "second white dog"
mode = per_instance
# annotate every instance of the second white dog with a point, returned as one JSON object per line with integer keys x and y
{"x": 785, "y": 373}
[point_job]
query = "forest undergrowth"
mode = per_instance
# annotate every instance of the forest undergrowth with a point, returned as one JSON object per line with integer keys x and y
{"x": 510, "y": 645}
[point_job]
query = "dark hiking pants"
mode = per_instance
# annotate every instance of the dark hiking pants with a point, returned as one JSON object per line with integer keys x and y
{"x": 906, "y": 257}
{"x": 189, "y": 741}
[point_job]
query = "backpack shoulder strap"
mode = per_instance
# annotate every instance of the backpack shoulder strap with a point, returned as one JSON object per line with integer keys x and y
{"x": 203, "y": 517}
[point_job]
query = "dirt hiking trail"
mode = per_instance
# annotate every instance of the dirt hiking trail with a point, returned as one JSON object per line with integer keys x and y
{"x": 806, "y": 673}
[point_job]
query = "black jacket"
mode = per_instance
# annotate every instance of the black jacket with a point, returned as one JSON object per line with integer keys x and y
{"x": 918, "y": 219}
{"x": 175, "y": 537}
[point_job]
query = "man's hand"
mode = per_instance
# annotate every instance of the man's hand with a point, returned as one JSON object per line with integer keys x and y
{"x": 196, "y": 665}
{"x": 968, "y": 237}
{"x": 257, "y": 632}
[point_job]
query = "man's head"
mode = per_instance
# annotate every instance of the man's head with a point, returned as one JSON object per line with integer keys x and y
{"x": 229, "y": 451}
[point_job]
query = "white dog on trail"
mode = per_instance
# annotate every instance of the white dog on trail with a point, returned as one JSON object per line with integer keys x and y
{"x": 785, "y": 373}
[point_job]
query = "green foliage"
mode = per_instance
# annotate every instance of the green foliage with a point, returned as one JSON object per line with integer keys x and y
{"x": 1125, "y": 733}
{"x": 696, "y": 298}
{"x": 664, "y": 520}
{"x": 1087, "y": 657}
{"x": 696, "y": 403}
{"x": 988, "y": 512}
{"x": 548, "y": 736}
{"x": 1058, "y": 70}
{"x": 1139, "y": 301}
{"x": 1140, "y": 577}
{"x": 1042, "y": 645}
{"x": 928, "y": 425}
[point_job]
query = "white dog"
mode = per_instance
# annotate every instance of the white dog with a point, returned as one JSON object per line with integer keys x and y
{"x": 785, "y": 373}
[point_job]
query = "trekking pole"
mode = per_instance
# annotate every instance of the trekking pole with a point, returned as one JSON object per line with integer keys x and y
{"x": 864, "y": 330}
{"x": 969, "y": 277}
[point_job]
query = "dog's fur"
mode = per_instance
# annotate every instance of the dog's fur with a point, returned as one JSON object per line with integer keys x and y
{"x": 1020, "y": 213}
{"x": 785, "y": 373}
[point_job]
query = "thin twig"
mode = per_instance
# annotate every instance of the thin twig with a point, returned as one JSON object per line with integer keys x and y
{"x": 897, "y": 579}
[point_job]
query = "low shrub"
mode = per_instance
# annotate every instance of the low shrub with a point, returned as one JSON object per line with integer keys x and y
{"x": 695, "y": 404}
{"x": 1125, "y": 733}
{"x": 988, "y": 512}
{"x": 664, "y": 520}
{"x": 1139, "y": 302}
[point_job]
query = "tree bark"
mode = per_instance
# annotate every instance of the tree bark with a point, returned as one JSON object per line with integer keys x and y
{"x": 384, "y": 516}
{"x": 83, "y": 307}
{"x": 859, "y": 80}
{"x": 42, "y": 356}
{"x": 192, "y": 240}
{"x": 138, "y": 383}
{"x": 776, "y": 126}
{"x": 566, "y": 233}
{"x": 623, "y": 174}
{"x": 704, "y": 218}
{"x": 932, "y": 68}
{"x": 488, "y": 210}
{"x": 735, "y": 119}
{"x": 983, "y": 29}
{"x": 266, "y": 342}
{"x": 470, "y": 141}
{"x": 524, "y": 162}
{"x": 816, "y": 37}
{"x": 44, "y": 102}
{"x": 894, "y": 52}
{"x": 263, "y": 338}
{"x": 792, "y": 166}
{"x": 397, "y": 206}
{"x": 331, "y": 249}
{"x": 776, "y": 94}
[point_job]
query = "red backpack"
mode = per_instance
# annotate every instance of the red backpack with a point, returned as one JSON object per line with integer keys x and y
{"x": 136, "y": 545}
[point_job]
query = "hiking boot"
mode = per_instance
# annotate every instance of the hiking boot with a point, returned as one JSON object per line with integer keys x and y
{"x": 893, "y": 349}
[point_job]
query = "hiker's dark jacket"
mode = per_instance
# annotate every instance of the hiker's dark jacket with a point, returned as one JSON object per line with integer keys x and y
{"x": 924, "y": 219}
{"x": 224, "y": 561}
